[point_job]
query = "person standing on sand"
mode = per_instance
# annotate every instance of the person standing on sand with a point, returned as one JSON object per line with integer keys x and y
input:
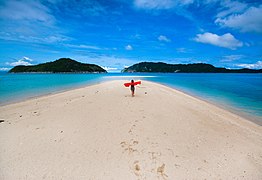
{"x": 132, "y": 87}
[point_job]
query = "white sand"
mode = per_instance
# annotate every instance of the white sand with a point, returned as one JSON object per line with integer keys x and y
{"x": 101, "y": 132}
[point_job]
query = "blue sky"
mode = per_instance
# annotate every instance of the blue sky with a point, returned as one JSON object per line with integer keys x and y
{"x": 118, "y": 33}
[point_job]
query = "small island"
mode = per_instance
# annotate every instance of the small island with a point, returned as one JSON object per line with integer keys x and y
{"x": 183, "y": 68}
{"x": 62, "y": 65}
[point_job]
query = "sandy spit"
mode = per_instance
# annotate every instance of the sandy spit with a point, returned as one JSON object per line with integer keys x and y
{"x": 101, "y": 132}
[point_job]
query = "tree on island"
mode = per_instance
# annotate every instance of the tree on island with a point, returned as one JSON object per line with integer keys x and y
{"x": 60, "y": 66}
{"x": 183, "y": 68}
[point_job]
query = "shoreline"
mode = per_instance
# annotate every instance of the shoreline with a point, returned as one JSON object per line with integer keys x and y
{"x": 61, "y": 90}
{"x": 248, "y": 116}
{"x": 223, "y": 105}
{"x": 101, "y": 131}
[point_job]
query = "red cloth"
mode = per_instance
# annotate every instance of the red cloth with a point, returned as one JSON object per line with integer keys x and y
{"x": 134, "y": 83}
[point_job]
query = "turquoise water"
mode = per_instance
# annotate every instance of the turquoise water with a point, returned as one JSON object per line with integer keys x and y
{"x": 15, "y": 87}
{"x": 241, "y": 92}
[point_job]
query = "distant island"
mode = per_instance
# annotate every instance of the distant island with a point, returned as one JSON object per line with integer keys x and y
{"x": 184, "y": 68}
{"x": 62, "y": 65}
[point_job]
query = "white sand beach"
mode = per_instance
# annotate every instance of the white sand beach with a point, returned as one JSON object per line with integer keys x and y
{"x": 101, "y": 132}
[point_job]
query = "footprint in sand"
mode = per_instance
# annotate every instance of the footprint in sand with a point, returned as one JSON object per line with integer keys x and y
{"x": 35, "y": 113}
{"x": 154, "y": 155}
{"x": 160, "y": 170}
{"x": 129, "y": 147}
{"x": 136, "y": 168}
{"x": 130, "y": 131}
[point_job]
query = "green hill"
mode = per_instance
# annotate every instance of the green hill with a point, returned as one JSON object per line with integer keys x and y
{"x": 59, "y": 66}
{"x": 183, "y": 68}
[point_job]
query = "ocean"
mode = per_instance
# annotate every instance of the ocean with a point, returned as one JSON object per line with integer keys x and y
{"x": 241, "y": 93}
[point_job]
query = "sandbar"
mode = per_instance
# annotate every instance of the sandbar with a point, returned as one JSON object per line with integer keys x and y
{"x": 101, "y": 132}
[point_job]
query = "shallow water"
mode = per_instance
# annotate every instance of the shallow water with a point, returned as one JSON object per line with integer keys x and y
{"x": 241, "y": 92}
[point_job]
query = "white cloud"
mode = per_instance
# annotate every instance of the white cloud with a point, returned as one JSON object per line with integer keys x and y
{"x": 29, "y": 21}
{"x": 110, "y": 69}
{"x": 27, "y": 59}
{"x": 227, "y": 40}
{"x": 20, "y": 62}
{"x": 53, "y": 39}
{"x": 11, "y": 36}
{"x": 154, "y": 4}
{"x": 161, "y": 4}
{"x": 82, "y": 46}
{"x": 4, "y": 69}
{"x": 181, "y": 50}
{"x": 257, "y": 65}
{"x": 163, "y": 38}
{"x": 231, "y": 7}
{"x": 108, "y": 61}
{"x": 136, "y": 36}
{"x": 231, "y": 58}
{"x": 29, "y": 10}
{"x": 24, "y": 61}
{"x": 248, "y": 21}
{"x": 129, "y": 47}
